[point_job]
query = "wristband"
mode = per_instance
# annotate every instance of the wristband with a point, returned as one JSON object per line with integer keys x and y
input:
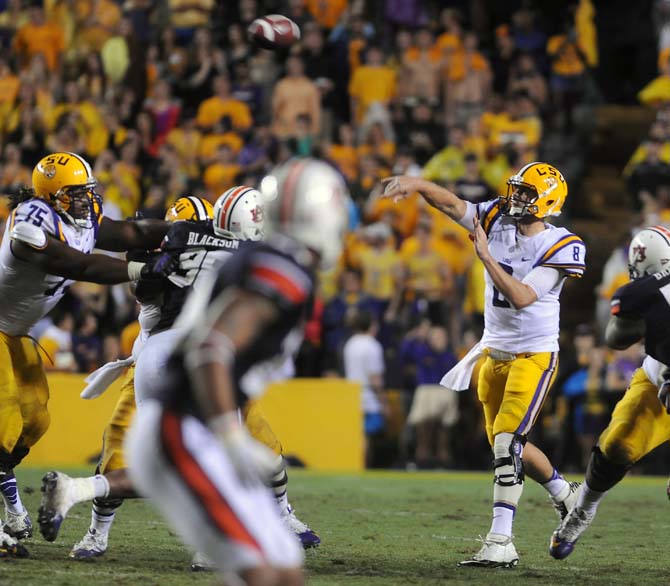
{"x": 135, "y": 270}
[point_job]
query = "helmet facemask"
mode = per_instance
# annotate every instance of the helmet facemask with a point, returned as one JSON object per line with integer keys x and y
{"x": 77, "y": 203}
{"x": 519, "y": 201}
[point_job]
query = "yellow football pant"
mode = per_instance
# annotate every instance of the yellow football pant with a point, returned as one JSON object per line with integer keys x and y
{"x": 112, "y": 451}
{"x": 24, "y": 393}
{"x": 259, "y": 428}
{"x": 639, "y": 423}
{"x": 512, "y": 392}
{"x": 112, "y": 442}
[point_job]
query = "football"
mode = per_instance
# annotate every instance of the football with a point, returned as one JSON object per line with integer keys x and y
{"x": 274, "y": 31}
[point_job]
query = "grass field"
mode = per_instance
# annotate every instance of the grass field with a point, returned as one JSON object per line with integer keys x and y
{"x": 381, "y": 529}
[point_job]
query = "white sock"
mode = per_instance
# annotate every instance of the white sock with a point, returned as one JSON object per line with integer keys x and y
{"x": 503, "y": 517}
{"x": 102, "y": 519}
{"x": 86, "y": 489}
{"x": 10, "y": 493}
{"x": 279, "y": 485}
{"x": 558, "y": 487}
{"x": 589, "y": 499}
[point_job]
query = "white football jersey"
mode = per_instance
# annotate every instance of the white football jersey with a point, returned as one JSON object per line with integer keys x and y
{"x": 27, "y": 293}
{"x": 534, "y": 328}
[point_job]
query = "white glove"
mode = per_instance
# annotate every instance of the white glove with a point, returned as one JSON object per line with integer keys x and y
{"x": 254, "y": 463}
{"x": 664, "y": 395}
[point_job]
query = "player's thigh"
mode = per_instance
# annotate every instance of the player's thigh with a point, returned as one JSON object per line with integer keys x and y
{"x": 639, "y": 423}
{"x": 527, "y": 387}
{"x": 33, "y": 390}
{"x": 178, "y": 460}
{"x": 11, "y": 420}
{"x": 259, "y": 427}
{"x": 112, "y": 446}
{"x": 152, "y": 362}
{"x": 490, "y": 390}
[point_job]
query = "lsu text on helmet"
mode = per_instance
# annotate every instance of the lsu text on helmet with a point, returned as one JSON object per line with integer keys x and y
{"x": 308, "y": 201}
{"x": 65, "y": 181}
{"x": 238, "y": 214}
{"x": 538, "y": 190}
{"x": 191, "y": 208}
{"x": 649, "y": 252}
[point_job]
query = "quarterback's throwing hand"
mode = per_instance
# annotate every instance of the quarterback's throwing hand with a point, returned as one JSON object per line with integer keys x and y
{"x": 399, "y": 187}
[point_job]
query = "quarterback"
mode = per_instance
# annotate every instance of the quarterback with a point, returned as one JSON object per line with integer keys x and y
{"x": 49, "y": 237}
{"x": 640, "y": 421}
{"x": 527, "y": 261}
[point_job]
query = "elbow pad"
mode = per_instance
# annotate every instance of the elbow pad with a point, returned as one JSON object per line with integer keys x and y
{"x": 29, "y": 234}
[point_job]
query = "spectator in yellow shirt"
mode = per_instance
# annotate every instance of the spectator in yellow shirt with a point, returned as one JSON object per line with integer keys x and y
{"x": 223, "y": 104}
{"x": 378, "y": 146}
{"x": 448, "y": 165}
{"x": 295, "y": 95}
{"x": 327, "y": 12}
{"x": 370, "y": 83}
{"x": 39, "y": 37}
{"x": 222, "y": 174}
{"x": 421, "y": 70}
{"x": 343, "y": 153}
{"x": 9, "y": 87}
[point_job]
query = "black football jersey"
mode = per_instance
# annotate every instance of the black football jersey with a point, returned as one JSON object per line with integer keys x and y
{"x": 200, "y": 250}
{"x": 648, "y": 298}
{"x": 273, "y": 270}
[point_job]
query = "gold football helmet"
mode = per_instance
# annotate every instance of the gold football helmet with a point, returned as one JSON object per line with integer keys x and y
{"x": 538, "y": 189}
{"x": 190, "y": 207}
{"x": 65, "y": 181}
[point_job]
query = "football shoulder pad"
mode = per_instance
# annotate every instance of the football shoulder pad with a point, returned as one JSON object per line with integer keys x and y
{"x": 29, "y": 234}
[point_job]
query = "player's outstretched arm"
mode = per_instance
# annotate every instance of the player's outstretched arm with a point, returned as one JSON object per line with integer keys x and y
{"x": 57, "y": 258}
{"x": 402, "y": 186}
{"x": 119, "y": 236}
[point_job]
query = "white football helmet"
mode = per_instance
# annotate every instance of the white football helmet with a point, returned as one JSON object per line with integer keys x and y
{"x": 649, "y": 252}
{"x": 238, "y": 214}
{"x": 307, "y": 200}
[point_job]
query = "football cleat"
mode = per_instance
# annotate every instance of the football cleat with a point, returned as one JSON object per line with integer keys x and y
{"x": 565, "y": 505}
{"x": 59, "y": 494}
{"x": 93, "y": 545}
{"x": 10, "y": 547}
{"x": 569, "y": 531}
{"x": 201, "y": 563}
{"x": 18, "y": 525}
{"x": 497, "y": 551}
{"x": 307, "y": 537}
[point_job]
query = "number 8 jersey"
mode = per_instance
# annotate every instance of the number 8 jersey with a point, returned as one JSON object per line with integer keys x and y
{"x": 534, "y": 328}
{"x": 28, "y": 293}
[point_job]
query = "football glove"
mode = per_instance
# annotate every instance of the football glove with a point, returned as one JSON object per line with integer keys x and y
{"x": 160, "y": 267}
{"x": 253, "y": 462}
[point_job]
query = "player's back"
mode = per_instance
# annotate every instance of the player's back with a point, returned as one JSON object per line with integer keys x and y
{"x": 200, "y": 251}
{"x": 648, "y": 298}
{"x": 27, "y": 292}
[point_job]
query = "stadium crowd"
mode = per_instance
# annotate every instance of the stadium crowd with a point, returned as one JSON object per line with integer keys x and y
{"x": 167, "y": 98}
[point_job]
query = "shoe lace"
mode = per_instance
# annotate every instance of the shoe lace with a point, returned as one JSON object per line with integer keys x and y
{"x": 573, "y": 525}
{"x": 559, "y": 506}
{"x": 293, "y": 522}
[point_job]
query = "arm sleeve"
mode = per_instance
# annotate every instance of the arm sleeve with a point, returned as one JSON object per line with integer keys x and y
{"x": 542, "y": 280}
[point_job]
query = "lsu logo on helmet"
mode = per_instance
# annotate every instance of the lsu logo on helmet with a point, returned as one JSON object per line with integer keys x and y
{"x": 65, "y": 181}
{"x": 538, "y": 189}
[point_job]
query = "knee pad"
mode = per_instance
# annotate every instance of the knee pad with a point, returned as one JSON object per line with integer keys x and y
{"x": 507, "y": 462}
{"x": 602, "y": 473}
{"x": 9, "y": 460}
